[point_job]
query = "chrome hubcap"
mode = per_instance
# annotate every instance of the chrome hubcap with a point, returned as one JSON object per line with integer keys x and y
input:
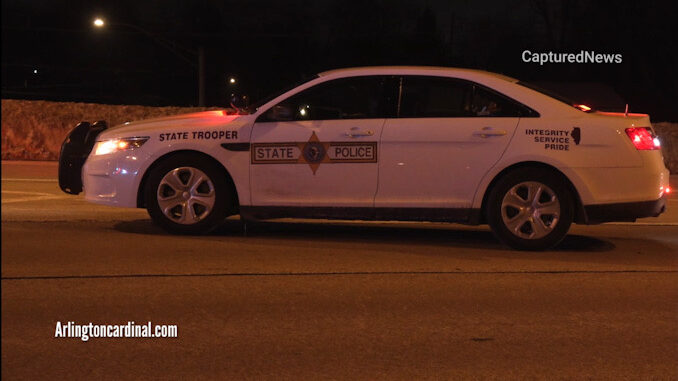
{"x": 186, "y": 195}
{"x": 530, "y": 210}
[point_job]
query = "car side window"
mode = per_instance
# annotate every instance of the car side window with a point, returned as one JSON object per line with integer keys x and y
{"x": 486, "y": 103}
{"x": 345, "y": 98}
{"x": 434, "y": 97}
{"x": 442, "y": 97}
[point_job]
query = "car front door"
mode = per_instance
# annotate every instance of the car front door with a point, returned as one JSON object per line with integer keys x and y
{"x": 319, "y": 147}
{"x": 449, "y": 133}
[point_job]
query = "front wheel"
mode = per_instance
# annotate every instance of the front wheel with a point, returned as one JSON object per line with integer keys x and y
{"x": 187, "y": 194}
{"x": 530, "y": 209}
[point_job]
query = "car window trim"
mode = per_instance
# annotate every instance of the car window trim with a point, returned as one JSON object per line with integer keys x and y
{"x": 382, "y": 100}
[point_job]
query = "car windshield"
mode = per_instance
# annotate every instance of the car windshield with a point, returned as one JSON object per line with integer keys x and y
{"x": 255, "y": 106}
{"x": 556, "y": 96}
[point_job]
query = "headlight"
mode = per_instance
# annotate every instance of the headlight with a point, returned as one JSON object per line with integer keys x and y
{"x": 114, "y": 145}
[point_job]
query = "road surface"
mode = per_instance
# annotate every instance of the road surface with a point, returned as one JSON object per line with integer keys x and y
{"x": 341, "y": 300}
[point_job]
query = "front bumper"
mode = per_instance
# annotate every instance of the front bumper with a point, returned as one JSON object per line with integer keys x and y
{"x": 114, "y": 179}
{"x": 111, "y": 179}
{"x": 627, "y": 211}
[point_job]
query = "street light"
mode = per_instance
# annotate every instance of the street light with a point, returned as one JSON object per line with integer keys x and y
{"x": 172, "y": 47}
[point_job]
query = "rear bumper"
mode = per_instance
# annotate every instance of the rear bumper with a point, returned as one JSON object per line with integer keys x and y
{"x": 627, "y": 211}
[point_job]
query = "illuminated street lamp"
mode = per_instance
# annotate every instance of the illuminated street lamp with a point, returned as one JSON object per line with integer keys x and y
{"x": 171, "y": 46}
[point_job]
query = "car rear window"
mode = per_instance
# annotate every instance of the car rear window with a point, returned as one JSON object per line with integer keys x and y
{"x": 556, "y": 96}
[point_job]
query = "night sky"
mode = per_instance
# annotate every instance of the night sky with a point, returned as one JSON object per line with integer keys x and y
{"x": 266, "y": 45}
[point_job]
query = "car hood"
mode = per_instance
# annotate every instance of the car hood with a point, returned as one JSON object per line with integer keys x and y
{"x": 204, "y": 119}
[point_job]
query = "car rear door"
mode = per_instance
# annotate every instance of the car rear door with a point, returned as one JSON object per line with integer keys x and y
{"x": 449, "y": 133}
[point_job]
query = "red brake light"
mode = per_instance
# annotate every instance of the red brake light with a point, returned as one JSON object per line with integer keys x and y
{"x": 642, "y": 138}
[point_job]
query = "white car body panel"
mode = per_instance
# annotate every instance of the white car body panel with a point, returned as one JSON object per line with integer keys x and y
{"x": 115, "y": 179}
{"x": 438, "y": 162}
{"x": 328, "y": 184}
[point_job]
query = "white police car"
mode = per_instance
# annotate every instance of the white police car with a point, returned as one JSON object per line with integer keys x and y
{"x": 382, "y": 143}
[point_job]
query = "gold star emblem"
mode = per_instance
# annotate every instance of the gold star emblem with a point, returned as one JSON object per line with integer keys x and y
{"x": 314, "y": 152}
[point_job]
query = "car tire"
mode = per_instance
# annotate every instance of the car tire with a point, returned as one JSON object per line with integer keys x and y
{"x": 530, "y": 208}
{"x": 188, "y": 194}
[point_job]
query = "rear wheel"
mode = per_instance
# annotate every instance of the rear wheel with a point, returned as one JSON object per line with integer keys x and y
{"x": 188, "y": 194}
{"x": 530, "y": 209}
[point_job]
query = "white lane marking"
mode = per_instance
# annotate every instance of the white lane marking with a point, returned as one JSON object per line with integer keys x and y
{"x": 24, "y": 192}
{"x": 34, "y": 196}
{"x": 33, "y": 180}
{"x": 643, "y": 223}
{"x": 31, "y": 162}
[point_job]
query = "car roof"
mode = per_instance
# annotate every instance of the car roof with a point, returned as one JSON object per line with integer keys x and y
{"x": 413, "y": 70}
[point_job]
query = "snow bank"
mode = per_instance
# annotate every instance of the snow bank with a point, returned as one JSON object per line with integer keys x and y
{"x": 668, "y": 135}
{"x": 34, "y": 130}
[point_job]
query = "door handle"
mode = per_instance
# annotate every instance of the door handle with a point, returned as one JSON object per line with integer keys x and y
{"x": 486, "y": 132}
{"x": 355, "y": 133}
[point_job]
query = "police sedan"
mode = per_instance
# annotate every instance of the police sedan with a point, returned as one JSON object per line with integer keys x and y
{"x": 382, "y": 143}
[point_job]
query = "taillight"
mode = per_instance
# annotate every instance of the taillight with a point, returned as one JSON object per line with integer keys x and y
{"x": 643, "y": 138}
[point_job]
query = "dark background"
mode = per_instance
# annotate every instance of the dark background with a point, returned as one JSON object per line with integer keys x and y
{"x": 266, "y": 45}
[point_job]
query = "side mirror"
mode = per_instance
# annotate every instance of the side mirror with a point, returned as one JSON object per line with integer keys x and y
{"x": 239, "y": 102}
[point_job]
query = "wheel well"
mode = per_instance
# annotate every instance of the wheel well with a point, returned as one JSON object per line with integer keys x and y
{"x": 579, "y": 213}
{"x": 141, "y": 201}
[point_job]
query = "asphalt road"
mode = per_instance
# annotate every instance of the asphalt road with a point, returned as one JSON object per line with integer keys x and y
{"x": 317, "y": 300}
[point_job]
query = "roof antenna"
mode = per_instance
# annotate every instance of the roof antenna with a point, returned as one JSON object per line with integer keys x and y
{"x": 626, "y": 111}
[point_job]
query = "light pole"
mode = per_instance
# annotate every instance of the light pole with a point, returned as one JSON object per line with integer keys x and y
{"x": 172, "y": 47}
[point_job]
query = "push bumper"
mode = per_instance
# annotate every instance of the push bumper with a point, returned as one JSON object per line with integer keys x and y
{"x": 627, "y": 211}
{"x": 74, "y": 151}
